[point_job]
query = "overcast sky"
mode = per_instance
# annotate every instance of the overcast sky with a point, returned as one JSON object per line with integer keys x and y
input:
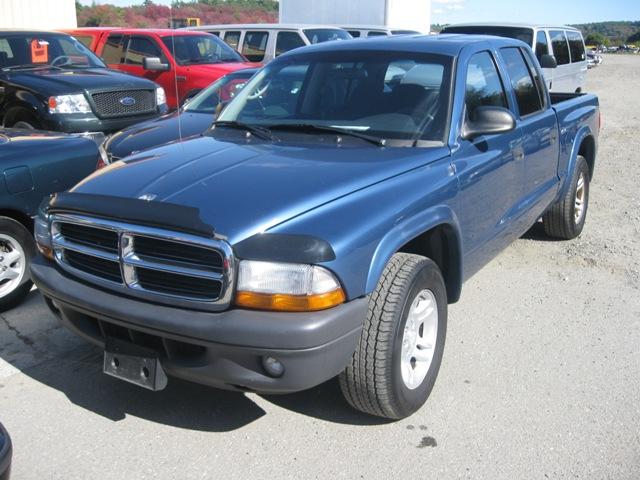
{"x": 530, "y": 11}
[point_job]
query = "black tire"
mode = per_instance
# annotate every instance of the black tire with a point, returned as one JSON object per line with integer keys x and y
{"x": 560, "y": 220}
{"x": 16, "y": 231}
{"x": 373, "y": 381}
{"x": 26, "y": 121}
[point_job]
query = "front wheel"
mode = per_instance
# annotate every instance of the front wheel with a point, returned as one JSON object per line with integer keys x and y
{"x": 396, "y": 362}
{"x": 16, "y": 251}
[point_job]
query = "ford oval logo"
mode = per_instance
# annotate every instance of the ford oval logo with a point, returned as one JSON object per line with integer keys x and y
{"x": 128, "y": 101}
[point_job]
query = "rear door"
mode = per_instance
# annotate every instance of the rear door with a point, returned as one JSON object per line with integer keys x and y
{"x": 578, "y": 60}
{"x": 562, "y": 75}
{"x": 490, "y": 168}
{"x": 254, "y": 45}
{"x": 539, "y": 127}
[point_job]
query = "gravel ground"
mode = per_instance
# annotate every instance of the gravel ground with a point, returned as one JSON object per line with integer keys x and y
{"x": 541, "y": 375}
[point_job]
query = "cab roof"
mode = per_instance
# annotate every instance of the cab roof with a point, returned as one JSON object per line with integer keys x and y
{"x": 444, "y": 44}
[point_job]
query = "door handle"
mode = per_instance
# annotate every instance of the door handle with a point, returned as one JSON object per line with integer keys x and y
{"x": 181, "y": 78}
{"x": 518, "y": 154}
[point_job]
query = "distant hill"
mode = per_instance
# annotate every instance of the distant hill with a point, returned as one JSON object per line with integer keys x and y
{"x": 615, "y": 33}
{"x": 150, "y": 15}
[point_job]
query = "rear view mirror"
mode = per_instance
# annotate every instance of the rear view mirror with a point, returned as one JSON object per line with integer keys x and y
{"x": 548, "y": 61}
{"x": 154, "y": 64}
{"x": 488, "y": 121}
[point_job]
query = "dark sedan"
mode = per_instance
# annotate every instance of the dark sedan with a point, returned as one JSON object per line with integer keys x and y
{"x": 5, "y": 454}
{"x": 192, "y": 119}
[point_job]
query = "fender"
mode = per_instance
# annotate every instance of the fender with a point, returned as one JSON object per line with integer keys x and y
{"x": 565, "y": 177}
{"x": 407, "y": 230}
{"x": 22, "y": 99}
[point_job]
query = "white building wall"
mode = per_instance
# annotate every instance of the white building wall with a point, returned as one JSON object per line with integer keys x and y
{"x": 409, "y": 14}
{"x": 38, "y": 14}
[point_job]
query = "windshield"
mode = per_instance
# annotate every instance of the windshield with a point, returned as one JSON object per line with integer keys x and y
{"x": 388, "y": 95}
{"x": 319, "y": 35}
{"x": 200, "y": 49}
{"x": 523, "y": 34}
{"x": 218, "y": 92}
{"x": 34, "y": 50}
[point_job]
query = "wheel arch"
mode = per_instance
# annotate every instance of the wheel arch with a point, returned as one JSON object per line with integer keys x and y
{"x": 585, "y": 145}
{"x": 433, "y": 234}
{"x": 22, "y": 218}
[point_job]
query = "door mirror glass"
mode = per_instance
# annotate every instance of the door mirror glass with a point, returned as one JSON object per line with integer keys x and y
{"x": 154, "y": 64}
{"x": 548, "y": 61}
{"x": 488, "y": 121}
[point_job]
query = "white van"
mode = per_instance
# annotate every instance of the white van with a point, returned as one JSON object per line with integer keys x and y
{"x": 368, "y": 31}
{"x": 565, "y": 44}
{"x": 262, "y": 42}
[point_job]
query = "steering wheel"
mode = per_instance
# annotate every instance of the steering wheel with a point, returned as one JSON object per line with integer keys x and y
{"x": 258, "y": 93}
{"x": 65, "y": 60}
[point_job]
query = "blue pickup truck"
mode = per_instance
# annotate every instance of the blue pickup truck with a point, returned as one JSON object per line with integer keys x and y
{"x": 324, "y": 223}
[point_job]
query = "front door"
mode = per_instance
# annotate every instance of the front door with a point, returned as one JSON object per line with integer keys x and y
{"x": 490, "y": 169}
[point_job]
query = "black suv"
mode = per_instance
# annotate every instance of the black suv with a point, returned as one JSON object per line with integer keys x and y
{"x": 51, "y": 81}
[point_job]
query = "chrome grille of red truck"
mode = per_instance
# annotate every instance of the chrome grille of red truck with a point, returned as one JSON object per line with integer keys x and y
{"x": 155, "y": 264}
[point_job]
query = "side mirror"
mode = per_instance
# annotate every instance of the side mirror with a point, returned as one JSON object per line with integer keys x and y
{"x": 548, "y": 61}
{"x": 488, "y": 121}
{"x": 154, "y": 64}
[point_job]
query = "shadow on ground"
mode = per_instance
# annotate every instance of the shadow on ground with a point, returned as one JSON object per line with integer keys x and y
{"x": 74, "y": 368}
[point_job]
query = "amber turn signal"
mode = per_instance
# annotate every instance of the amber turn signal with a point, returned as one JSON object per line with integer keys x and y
{"x": 290, "y": 303}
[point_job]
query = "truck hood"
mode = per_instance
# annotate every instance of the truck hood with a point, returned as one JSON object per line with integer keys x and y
{"x": 242, "y": 188}
{"x": 59, "y": 82}
{"x": 156, "y": 132}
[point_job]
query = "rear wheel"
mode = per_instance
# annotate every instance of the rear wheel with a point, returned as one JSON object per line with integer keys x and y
{"x": 396, "y": 362}
{"x": 16, "y": 251}
{"x": 565, "y": 219}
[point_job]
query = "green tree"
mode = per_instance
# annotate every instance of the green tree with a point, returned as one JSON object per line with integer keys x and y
{"x": 596, "y": 39}
{"x": 635, "y": 38}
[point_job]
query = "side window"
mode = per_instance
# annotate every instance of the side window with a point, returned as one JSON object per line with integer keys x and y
{"x": 254, "y": 45}
{"x": 139, "y": 48}
{"x": 232, "y": 39}
{"x": 288, "y": 41}
{"x": 112, "y": 52}
{"x": 484, "y": 87}
{"x": 214, "y": 32}
{"x": 542, "y": 46}
{"x": 576, "y": 46}
{"x": 537, "y": 78}
{"x": 560, "y": 46}
{"x": 375, "y": 33}
{"x": 354, "y": 33}
{"x": 527, "y": 95}
{"x": 84, "y": 39}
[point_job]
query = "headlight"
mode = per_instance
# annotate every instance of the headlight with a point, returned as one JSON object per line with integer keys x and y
{"x": 69, "y": 104}
{"x": 287, "y": 287}
{"x": 161, "y": 98}
{"x": 41, "y": 231}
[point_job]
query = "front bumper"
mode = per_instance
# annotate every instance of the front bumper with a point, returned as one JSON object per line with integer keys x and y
{"x": 80, "y": 123}
{"x": 223, "y": 350}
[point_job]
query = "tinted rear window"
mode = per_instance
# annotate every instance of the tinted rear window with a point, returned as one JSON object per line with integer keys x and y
{"x": 576, "y": 46}
{"x": 523, "y": 34}
{"x": 560, "y": 46}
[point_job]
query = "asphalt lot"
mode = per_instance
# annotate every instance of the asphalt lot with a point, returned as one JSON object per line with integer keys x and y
{"x": 540, "y": 379}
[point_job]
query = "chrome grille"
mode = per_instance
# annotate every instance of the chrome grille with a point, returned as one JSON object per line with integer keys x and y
{"x": 124, "y": 103}
{"x": 155, "y": 264}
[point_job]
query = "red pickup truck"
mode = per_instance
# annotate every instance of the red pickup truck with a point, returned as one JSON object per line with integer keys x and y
{"x": 182, "y": 62}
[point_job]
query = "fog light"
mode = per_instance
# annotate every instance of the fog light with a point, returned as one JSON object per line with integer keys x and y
{"x": 272, "y": 366}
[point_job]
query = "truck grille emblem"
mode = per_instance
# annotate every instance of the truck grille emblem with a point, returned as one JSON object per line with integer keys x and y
{"x": 128, "y": 101}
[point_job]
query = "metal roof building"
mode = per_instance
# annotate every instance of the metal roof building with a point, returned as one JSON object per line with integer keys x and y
{"x": 38, "y": 14}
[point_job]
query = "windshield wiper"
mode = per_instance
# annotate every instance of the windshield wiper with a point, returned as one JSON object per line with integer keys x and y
{"x": 312, "y": 127}
{"x": 30, "y": 66}
{"x": 260, "y": 132}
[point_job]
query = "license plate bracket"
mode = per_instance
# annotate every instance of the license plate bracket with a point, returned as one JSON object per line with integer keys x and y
{"x": 134, "y": 364}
